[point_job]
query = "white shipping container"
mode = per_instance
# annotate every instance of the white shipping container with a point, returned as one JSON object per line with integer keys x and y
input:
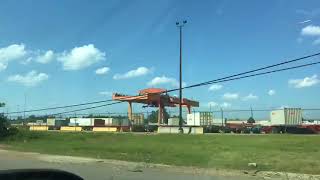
{"x": 83, "y": 121}
{"x": 311, "y": 122}
{"x": 199, "y": 119}
{"x": 263, "y": 123}
{"x": 218, "y": 121}
{"x": 51, "y": 121}
{"x": 173, "y": 121}
{"x": 39, "y": 121}
{"x": 175, "y": 130}
{"x": 286, "y": 116}
{"x": 107, "y": 121}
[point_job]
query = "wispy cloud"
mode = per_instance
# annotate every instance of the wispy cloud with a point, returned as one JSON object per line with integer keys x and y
{"x": 230, "y": 96}
{"x": 215, "y": 87}
{"x": 212, "y": 104}
{"x": 250, "y": 97}
{"x": 30, "y": 79}
{"x": 45, "y": 57}
{"x": 163, "y": 80}
{"x": 271, "y": 92}
{"x": 105, "y": 93}
{"x": 225, "y": 105}
{"x": 305, "y": 82}
{"x": 103, "y": 70}
{"x": 306, "y": 21}
{"x": 140, "y": 71}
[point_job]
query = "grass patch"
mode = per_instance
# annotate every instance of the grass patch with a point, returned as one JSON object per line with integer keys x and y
{"x": 290, "y": 153}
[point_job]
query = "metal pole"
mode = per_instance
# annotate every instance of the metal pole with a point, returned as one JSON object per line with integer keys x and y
{"x": 180, "y": 81}
{"x": 24, "y": 109}
{"x": 222, "y": 118}
{"x": 180, "y": 25}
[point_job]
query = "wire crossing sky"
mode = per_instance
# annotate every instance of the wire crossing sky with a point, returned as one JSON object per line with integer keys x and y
{"x": 56, "y": 54}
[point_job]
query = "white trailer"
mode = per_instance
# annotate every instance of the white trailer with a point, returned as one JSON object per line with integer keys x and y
{"x": 286, "y": 116}
{"x": 286, "y": 120}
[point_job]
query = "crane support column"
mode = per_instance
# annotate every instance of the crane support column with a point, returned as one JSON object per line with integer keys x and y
{"x": 189, "y": 109}
{"x": 160, "y": 114}
{"x": 129, "y": 110}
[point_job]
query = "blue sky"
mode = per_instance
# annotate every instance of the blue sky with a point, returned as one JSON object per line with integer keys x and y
{"x": 51, "y": 50}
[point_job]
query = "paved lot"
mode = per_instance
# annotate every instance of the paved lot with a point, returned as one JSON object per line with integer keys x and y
{"x": 93, "y": 169}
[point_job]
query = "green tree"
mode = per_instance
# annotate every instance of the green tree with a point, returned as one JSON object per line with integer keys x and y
{"x": 153, "y": 117}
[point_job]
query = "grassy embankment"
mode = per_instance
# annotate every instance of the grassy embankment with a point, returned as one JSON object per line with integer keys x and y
{"x": 291, "y": 153}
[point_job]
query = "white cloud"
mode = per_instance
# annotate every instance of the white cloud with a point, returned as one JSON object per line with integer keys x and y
{"x": 250, "y": 97}
{"x": 9, "y": 53}
{"x": 163, "y": 80}
{"x": 230, "y": 96}
{"x": 103, "y": 70}
{"x": 30, "y": 79}
{"x": 140, "y": 71}
{"x": 81, "y": 57}
{"x": 283, "y": 106}
{"x": 46, "y": 57}
{"x": 105, "y": 93}
{"x": 311, "y": 30}
{"x": 3, "y": 66}
{"x": 215, "y": 87}
{"x": 306, "y": 21}
{"x": 271, "y": 92}
{"x": 27, "y": 61}
{"x": 212, "y": 104}
{"x": 225, "y": 105}
{"x": 305, "y": 82}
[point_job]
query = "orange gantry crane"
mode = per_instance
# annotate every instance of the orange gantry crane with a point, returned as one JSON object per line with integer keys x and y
{"x": 154, "y": 97}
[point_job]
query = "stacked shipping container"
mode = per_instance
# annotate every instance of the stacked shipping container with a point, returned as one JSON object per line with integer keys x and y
{"x": 200, "y": 119}
{"x": 87, "y": 122}
{"x": 137, "y": 118}
{"x": 173, "y": 121}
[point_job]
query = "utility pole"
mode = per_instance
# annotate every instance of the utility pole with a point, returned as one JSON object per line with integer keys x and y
{"x": 222, "y": 118}
{"x": 25, "y": 104}
{"x": 180, "y": 25}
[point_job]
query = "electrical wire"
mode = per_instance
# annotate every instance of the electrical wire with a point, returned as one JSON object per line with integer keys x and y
{"x": 242, "y": 77}
{"x": 224, "y": 79}
{"x": 82, "y": 109}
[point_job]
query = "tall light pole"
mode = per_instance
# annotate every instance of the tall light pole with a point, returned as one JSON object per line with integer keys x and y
{"x": 180, "y": 25}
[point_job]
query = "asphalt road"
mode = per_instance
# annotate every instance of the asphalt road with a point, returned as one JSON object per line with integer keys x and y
{"x": 94, "y": 169}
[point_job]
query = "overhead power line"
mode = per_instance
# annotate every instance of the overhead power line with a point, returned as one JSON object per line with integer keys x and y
{"x": 251, "y": 75}
{"x": 251, "y": 71}
{"x": 218, "y": 81}
{"x": 224, "y": 79}
{"x": 82, "y": 109}
{"x": 59, "y": 107}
